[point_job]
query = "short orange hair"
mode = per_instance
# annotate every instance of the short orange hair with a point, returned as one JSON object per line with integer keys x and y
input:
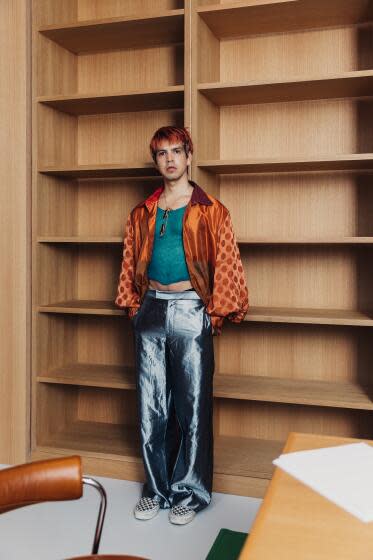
{"x": 171, "y": 134}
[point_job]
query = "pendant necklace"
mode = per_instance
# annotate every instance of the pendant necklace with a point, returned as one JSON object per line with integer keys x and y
{"x": 164, "y": 217}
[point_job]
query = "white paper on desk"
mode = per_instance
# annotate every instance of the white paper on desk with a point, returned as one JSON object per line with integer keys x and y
{"x": 342, "y": 474}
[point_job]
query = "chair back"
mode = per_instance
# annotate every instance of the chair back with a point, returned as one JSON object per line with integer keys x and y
{"x": 41, "y": 481}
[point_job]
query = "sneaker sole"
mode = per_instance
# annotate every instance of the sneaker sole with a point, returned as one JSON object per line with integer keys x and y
{"x": 177, "y": 521}
{"x": 144, "y": 516}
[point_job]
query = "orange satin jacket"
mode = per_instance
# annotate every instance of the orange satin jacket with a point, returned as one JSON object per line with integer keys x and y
{"x": 211, "y": 253}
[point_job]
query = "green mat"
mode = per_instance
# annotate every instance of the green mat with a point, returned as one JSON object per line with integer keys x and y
{"x": 227, "y": 545}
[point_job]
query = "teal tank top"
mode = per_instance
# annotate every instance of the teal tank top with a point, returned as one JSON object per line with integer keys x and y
{"x": 168, "y": 264}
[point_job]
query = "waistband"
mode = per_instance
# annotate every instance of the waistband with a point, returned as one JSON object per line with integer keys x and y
{"x": 163, "y": 294}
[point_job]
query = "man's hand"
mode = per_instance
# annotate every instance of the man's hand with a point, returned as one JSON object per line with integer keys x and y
{"x": 132, "y": 311}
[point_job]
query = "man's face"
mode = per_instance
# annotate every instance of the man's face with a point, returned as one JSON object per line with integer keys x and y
{"x": 171, "y": 160}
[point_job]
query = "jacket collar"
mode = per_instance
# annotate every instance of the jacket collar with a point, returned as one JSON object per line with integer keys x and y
{"x": 198, "y": 196}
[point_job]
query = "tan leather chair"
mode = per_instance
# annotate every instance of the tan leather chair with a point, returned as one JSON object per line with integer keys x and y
{"x": 48, "y": 481}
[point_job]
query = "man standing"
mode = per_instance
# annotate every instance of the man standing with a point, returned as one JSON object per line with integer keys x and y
{"x": 181, "y": 275}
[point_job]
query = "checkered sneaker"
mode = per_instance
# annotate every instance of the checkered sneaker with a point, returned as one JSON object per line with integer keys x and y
{"x": 180, "y": 515}
{"x": 146, "y": 508}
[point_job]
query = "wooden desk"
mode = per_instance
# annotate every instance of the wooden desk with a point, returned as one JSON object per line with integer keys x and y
{"x": 296, "y": 523}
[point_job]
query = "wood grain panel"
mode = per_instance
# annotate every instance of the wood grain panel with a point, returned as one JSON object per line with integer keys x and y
{"x": 320, "y": 277}
{"x": 122, "y": 136}
{"x": 48, "y": 12}
{"x": 295, "y": 54}
{"x": 56, "y": 206}
{"x": 141, "y": 68}
{"x": 299, "y": 352}
{"x": 287, "y": 129}
{"x": 57, "y": 410}
{"x": 96, "y": 9}
{"x": 71, "y": 345}
{"x": 105, "y": 406}
{"x": 294, "y": 170}
{"x": 50, "y": 56}
{"x": 209, "y": 129}
{"x": 273, "y": 421}
{"x": 314, "y": 205}
{"x": 208, "y": 55}
{"x": 103, "y": 206}
{"x": 66, "y": 273}
{"x": 57, "y": 137}
{"x": 15, "y": 202}
{"x": 58, "y": 345}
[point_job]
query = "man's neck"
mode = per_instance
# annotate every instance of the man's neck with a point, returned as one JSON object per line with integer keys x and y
{"x": 177, "y": 188}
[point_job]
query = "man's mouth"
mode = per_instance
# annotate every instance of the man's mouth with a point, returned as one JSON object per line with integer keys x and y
{"x": 171, "y": 168}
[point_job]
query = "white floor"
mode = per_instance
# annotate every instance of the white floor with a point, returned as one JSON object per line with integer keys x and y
{"x": 52, "y": 531}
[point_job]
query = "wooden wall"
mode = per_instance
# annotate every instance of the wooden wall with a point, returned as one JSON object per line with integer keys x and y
{"x": 15, "y": 206}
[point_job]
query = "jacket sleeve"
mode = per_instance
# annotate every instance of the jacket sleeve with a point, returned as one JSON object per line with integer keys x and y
{"x": 230, "y": 297}
{"x": 127, "y": 297}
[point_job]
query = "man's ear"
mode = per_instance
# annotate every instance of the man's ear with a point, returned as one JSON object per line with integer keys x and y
{"x": 189, "y": 158}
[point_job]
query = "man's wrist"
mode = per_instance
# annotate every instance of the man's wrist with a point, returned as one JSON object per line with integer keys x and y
{"x": 217, "y": 323}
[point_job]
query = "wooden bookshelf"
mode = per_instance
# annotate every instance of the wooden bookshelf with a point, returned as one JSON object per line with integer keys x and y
{"x": 282, "y": 96}
{"x": 278, "y": 95}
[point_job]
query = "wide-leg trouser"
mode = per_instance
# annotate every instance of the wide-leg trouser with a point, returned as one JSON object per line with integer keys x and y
{"x": 174, "y": 356}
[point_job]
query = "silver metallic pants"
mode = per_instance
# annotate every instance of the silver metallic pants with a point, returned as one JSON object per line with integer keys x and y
{"x": 174, "y": 356}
